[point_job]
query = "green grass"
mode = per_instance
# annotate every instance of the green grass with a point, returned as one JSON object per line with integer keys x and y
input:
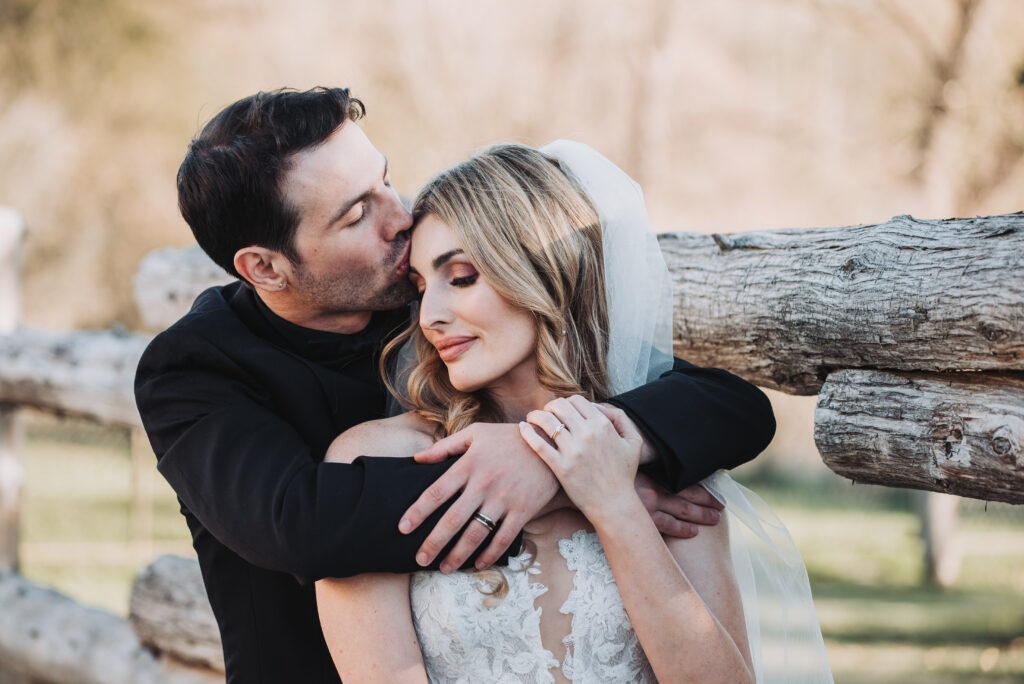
{"x": 881, "y": 624}
{"x": 864, "y": 558}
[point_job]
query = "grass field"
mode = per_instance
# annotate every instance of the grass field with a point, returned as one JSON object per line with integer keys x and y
{"x": 82, "y": 536}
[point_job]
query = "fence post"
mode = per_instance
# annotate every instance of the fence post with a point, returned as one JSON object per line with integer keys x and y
{"x": 12, "y": 236}
{"x": 942, "y": 551}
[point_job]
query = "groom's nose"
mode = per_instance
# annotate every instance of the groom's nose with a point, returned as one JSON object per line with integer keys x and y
{"x": 398, "y": 218}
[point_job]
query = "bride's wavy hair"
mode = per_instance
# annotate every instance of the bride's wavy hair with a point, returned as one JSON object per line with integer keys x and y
{"x": 533, "y": 234}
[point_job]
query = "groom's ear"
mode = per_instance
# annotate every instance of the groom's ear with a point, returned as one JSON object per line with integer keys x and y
{"x": 263, "y": 268}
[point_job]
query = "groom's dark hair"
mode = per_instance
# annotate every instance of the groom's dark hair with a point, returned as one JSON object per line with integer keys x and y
{"x": 229, "y": 185}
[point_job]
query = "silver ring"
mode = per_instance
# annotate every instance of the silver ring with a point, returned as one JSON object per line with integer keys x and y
{"x": 561, "y": 426}
{"x": 485, "y": 521}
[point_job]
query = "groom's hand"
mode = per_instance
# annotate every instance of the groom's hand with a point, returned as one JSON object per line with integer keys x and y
{"x": 498, "y": 476}
{"x": 678, "y": 515}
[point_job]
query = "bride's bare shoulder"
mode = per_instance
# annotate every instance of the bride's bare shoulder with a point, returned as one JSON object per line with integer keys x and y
{"x": 401, "y": 435}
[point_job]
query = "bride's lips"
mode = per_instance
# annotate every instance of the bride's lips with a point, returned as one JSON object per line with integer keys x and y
{"x": 451, "y": 348}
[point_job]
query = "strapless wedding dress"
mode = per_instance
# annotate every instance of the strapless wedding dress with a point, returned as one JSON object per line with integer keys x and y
{"x": 464, "y": 641}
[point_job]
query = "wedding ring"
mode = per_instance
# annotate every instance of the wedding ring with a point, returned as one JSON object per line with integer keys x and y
{"x": 561, "y": 426}
{"x": 485, "y": 521}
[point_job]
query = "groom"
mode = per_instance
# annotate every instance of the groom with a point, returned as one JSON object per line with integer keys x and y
{"x": 243, "y": 395}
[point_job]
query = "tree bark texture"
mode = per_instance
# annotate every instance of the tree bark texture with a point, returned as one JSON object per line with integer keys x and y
{"x": 48, "y": 638}
{"x": 958, "y": 433}
{"x": 170, "y": 612}
{"x": 84, "y": 373}
{"x": 784, "y": 308}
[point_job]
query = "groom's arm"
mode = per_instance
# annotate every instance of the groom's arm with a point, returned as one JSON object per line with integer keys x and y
{"x": 698, "y": 420}
{"x": 252, "y": 481}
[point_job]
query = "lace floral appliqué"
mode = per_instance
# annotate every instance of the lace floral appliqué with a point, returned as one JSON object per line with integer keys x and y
{"x": 602, "y": 646}
{"x": 463, "y": 641}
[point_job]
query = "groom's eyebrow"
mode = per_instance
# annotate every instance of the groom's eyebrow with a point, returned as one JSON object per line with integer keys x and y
{"x": 440, "y": 261}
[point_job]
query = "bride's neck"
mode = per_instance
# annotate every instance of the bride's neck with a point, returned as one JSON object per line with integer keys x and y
{"x": 515, "y": 403}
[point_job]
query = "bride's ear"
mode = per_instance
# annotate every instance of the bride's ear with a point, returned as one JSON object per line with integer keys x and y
{"x": 263, "y": 268}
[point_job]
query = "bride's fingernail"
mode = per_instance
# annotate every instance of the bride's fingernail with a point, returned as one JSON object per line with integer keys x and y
{"x": 421, "y": 558}
{"x": 405, "y": 526}
{"x": 523, "y": 425}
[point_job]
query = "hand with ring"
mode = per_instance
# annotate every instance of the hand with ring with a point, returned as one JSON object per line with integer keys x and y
{"x": 594, "y": 453}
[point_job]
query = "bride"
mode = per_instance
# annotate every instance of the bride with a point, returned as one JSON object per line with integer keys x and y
{"x": 543, "y": 292}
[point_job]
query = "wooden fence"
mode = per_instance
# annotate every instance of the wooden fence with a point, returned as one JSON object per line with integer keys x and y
{"x": 911, "y": 333}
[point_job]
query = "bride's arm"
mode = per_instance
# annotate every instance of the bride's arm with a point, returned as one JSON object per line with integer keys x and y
{"x": 367, "y": 623}
{"x": 367, "y": 619}
{"x": 687, "y": 615}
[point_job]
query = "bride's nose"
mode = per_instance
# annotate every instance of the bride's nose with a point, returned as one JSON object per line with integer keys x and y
{"x": 434, "y": 310}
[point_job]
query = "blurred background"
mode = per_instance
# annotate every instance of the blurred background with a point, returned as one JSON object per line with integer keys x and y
{"x": 735, "y": 115}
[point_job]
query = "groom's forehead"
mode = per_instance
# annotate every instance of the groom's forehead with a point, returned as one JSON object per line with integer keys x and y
{"x": 339, "y": 170}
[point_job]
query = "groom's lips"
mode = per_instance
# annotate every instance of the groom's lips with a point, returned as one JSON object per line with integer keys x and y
{"x": 403, "y": 261}
{"x": 451, "y": 348}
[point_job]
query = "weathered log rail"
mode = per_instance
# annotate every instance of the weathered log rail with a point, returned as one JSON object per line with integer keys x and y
{"x": 933, "y": 307}
{"x": 911, "y": 332}
{"x": 784, "y": 308}
{"x": 47, "y": 637}
{"x": 962, "y": 432}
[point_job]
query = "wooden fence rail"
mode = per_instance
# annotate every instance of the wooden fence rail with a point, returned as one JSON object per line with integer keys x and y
{"x": 911, "y": 333}
{"x": 794, "y": 310}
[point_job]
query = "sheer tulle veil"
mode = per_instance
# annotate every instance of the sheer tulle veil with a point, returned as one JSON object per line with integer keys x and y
{"x": 785, "y": 638}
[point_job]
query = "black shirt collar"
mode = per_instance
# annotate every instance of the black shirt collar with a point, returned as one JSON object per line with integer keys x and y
{"x": 334, "y": 350}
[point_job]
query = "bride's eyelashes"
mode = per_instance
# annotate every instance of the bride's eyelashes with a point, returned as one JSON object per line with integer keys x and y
{"x": 462, "y": 274}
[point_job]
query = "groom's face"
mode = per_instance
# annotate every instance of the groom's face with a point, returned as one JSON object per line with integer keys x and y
{"x": 353, "y": 233}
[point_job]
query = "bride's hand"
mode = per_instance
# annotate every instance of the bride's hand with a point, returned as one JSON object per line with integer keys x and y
{"x": 595, "y": 455}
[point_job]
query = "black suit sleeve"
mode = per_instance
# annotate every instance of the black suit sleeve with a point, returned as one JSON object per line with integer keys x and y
{"x": 700, "y": 420}
{"x": 251, "y": 480}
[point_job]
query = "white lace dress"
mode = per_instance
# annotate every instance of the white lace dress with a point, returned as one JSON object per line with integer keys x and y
{"x": 463, "y": 641}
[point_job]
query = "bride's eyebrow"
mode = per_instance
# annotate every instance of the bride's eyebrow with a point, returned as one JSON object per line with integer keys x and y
{"x": 438, "y": 261}
{"x": 441, "y": 260}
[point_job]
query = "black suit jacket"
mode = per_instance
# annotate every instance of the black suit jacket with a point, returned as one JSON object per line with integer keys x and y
{"x": 240, "y": 412}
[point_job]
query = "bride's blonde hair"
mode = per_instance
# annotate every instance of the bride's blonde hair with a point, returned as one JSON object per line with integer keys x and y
{"x": 533, "y": 234}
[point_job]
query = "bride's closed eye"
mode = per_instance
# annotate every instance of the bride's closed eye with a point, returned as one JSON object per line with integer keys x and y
{"x": 465, "y": 281}
{"x": 462, "y": 274}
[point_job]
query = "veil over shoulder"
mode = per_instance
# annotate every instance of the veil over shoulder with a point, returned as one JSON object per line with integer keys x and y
{"x": 785, "y": 639}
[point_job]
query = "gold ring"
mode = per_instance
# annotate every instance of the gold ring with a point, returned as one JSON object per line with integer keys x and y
{"x": 485, "y": 521}
{"x": 561, "y": 426}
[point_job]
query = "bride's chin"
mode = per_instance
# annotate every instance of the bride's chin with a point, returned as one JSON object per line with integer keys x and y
{"x": 466, "y": 384}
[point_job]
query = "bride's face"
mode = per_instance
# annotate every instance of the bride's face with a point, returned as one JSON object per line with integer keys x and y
{"x": 485, "y": 341}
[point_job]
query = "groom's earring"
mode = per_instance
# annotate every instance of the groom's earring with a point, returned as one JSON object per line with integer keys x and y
{"x": 280, "y": 285}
